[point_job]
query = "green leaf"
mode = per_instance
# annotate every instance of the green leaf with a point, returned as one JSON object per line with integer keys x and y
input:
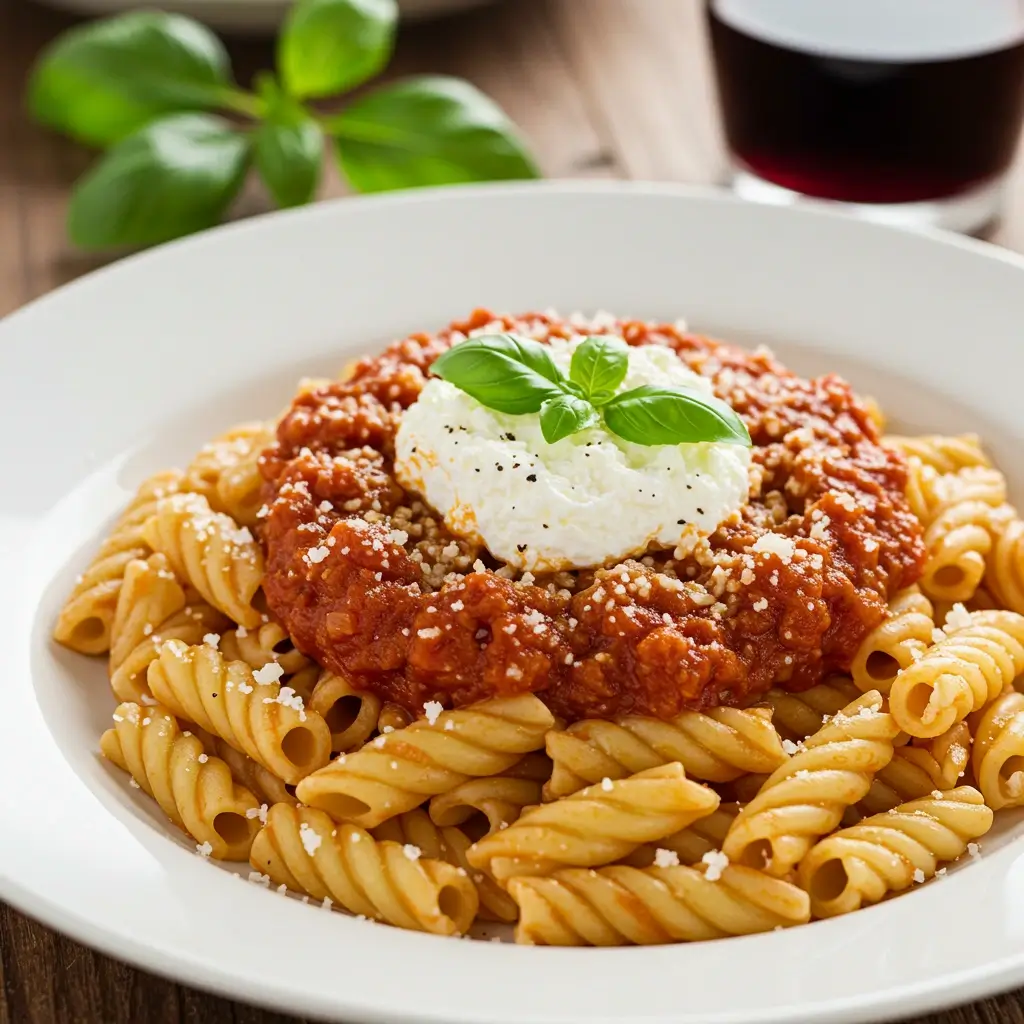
{"x": 502, "y": 371}
{"x": 599, "y": 366}
{"x": 330, "y": 46}
{"x": 654, "y": 415}
{"x": 170, "y": 179}
{"x": 101, "y": 81}
{"x": 427, "y": 131}
{"x": 565, "y": 415}
{"x": 288, "y": 148}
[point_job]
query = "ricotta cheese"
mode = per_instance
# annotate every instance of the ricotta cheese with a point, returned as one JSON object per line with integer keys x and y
{"x": 587, "y": 500}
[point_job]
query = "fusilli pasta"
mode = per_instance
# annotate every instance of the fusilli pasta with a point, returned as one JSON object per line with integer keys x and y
{"x": 350, "y": 714}
{"x": 888, "y": 852}
{"x": 226, "y": 472}
{"x": 303, "y": 849}
{"x": 902, "y": 638}
{"x": 998, "y": 754}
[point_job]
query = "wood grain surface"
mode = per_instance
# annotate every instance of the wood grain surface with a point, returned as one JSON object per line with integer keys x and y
{"x": 602, "y": 88}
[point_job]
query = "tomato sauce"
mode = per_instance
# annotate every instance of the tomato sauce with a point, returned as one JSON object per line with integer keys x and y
{"x": 368, "y": 580}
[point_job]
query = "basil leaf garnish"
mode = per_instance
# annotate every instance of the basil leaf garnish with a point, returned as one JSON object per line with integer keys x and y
{"x": 599, "y": 366}
{"x": 565, "y": 415}
{"x": 652, "y": 415}
{"x": 502, "y": 371}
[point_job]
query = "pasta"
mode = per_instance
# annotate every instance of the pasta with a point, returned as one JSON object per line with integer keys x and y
{"x": 998, "y": 755}
{"x": 596, "y": 825}
{"x": 510, "y": 746}
{"x": 717, "y": 745}
{"x": 190, "y": 626}
{"x": 904, "y": 636}
{"x": 452, "y": 845}
{"x": 890, "y": 851}
{"x": 195, "y": 791}
{"x": 960, "y": 674}
{"x": 149, "y": 595}
{"x": 250, "y": 711}
{"x": 226, "y": 472}
{"x": 211, "y": 552}
{"x": 620, "y": 905}
{"x": 806, "y": 797}
{"x": 303, "y": 849}
{"x": 351, "y": 715}
{"x": 399, "y": 770}
{"x": 87, "y": 617}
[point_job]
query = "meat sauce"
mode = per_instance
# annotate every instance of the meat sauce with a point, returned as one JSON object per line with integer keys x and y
{"x": 368, "y": 581}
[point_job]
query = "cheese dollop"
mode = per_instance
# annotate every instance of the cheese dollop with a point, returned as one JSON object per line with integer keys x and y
{"x": 590, "y": 499}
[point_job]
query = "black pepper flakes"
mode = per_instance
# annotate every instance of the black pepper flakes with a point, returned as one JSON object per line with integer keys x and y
{"x": 532, "y": 478}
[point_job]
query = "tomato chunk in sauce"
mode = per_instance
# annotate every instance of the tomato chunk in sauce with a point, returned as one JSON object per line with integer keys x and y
{"x": 368, "y": 580}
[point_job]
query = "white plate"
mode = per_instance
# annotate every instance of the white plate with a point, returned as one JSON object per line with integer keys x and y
{"x": 249, "y": 15}
{"x": 132, "y": 368}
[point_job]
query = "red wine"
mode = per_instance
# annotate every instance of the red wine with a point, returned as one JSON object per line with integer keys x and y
{"x": 871, "y": 101}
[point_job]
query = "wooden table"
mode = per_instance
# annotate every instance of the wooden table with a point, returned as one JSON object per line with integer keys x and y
{"x": 603, "y": 88}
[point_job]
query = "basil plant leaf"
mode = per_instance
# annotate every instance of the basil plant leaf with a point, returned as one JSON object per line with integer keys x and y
{"x": 430, "y": 130}
{"x": 172, "y": 178}
{"x": 599, "y": 366}
{"x": 502, "y": 371}
{"x": 101, "y": 81}
{"x": 565, "y": 415}
{"x": 289, "y": 156}
{"x": 330, "y": 46}
{"x": 653, "y": 415}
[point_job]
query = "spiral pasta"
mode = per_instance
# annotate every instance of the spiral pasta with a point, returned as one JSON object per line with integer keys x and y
{"x": 190, "y": 626}
{"x": 959, "y": 542}
{"x": 85, "y": 621}
{"x": 807, "y": 796}
{"x": 263, "y": 784}
{"x": 210, "y": 551}
{"x": 350, "y": 714}
{"x": 894, "y": 644}
{"x": 303, "y": 849}
{"x": 452, "y": 845}
{"x": 492, "y": 803}
{"x": 226, "y": 472}
{"x": 998, "y": 753}
{"x": 253, "y": 713}
{"x": 1004, "y": 572}
{"x": 920, "y": 768}
{"x": 620, "y": 905}
{"x": 596, "y": 825}
{"x": 393, "y": 717}
{"x": 959, "y": 674}
{"x": 718, "y": 745}
{"x": 930, "y": 493}
{"x": 149, "y": 595}
{"x": 194, "y": 790}
{"x": 796, "y": 716}
{"x": 887, "y": 852}
{"x": 945, "y": 454}
{"x": 258, "y": 647}
{"x": 398, "y": 770}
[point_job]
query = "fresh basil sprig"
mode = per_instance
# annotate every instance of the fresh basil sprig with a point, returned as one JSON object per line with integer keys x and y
{"x": 137, "y": 83}
{"x": 517, "y": 376}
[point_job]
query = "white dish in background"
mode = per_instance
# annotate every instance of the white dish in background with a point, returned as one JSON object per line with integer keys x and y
{"x": 131, "y": 369}
{"x": 249, "y": 15}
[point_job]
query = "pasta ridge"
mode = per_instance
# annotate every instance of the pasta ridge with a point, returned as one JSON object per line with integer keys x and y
{"x": 998, "y": 752}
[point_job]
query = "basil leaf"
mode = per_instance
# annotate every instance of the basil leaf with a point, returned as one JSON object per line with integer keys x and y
{"x": 654, "y": 415}
{"x": 502, "y": 371}
{"x": 172, "y": 178}
{"x": 329, "y": 46}
{"x": 102, "y": 81}
{"x": 288, "y": 154}
{"x": 599, "y": 366}
{"x": 429, "y": 130}
{"x": 565, "y": 415}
